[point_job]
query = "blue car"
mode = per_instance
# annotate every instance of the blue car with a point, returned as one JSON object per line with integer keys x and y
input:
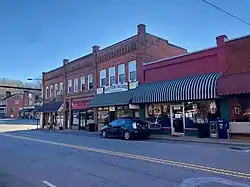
{"x": 126, "y": 128}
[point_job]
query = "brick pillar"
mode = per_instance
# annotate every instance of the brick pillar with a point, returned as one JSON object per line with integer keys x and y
{"x": 65, "y": 119}
{"x": 222, "y": 59}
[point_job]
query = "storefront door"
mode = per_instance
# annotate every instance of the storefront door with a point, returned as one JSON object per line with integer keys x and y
{"x": 177, "y": 119}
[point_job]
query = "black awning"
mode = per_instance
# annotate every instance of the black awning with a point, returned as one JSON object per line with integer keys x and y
{"x": 112, "y": 99}
{"x": 185, "y": 89}
{"x": 50, "y": 107}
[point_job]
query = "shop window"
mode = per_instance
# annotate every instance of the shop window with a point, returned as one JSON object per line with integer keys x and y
{"x": 75, "y": 84}
{"x": 56, "y": 90}
{"x": 112, "y": 76}
{"x": 90, "y": 81}
{"x": 69, "y": 85}
{"x": 158, "y": 115}
{"x": 103, "y": 78}
{"x": 240, "y": 109}
{"x": 132, "y": 71}
{"x": 121, "y": 73}
{"x": 123, "y": 111}
{"x": 51, "y": 91}
{"x": 61, "y": 89}
{"x": 47, "y": 92}
{"x": 82, "y": 83}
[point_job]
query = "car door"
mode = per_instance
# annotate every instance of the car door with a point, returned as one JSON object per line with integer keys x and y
{"x": 112, "y": 132}
{"x": 120, "y": 127}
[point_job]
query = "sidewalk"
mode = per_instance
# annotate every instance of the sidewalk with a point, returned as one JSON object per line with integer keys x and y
{"x": 231, "y": 142}
{"x": 191, "y": 139}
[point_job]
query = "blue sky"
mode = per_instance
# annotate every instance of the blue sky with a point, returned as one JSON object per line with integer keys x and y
{"x": 35, "y": 36}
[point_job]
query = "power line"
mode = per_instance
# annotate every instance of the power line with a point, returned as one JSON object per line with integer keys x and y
{"x": 226, "y": 12}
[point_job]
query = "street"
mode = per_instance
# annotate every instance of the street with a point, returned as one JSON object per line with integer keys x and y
{"x": 55, "y": 159}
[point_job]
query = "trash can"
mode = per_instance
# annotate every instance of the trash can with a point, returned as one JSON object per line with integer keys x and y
{"x": 213, "y": 129}
{"x": 203, "y": 130}
{"x": 223, "y": 126}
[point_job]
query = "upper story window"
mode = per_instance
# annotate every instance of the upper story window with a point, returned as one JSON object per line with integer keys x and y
{"x": 61, "y": 89}
{"x": 82, "y": 83}
{"x": 47, "y": 92}
{"x": 90, "y": 81}
{"x": 56, "y": 90}
{"x": 103, "y": 78}
{"x": 132, "y": 71}
{"x": 121, "y": 73}
{"x": 111, "y": 75}
{"x": 75, "y": 84}
{"x": 69, "y": 85}
{"x": 51, "y": 91}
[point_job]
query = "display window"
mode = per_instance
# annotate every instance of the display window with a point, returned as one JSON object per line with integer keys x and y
{"x": 240, "y": 108}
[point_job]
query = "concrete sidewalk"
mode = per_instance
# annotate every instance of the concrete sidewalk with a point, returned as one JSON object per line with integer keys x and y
{"x": 191, "y": 139}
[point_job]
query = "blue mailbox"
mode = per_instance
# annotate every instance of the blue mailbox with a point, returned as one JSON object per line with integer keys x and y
{"x": 223, "y": 126}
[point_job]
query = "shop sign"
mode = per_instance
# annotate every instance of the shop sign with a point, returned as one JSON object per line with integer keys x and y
{"x": 131, "y": 106}
{"x": 112, "y": 108}
{"x": 116, "y": 88}
{"x": 99, "y": 91}
{"x": 133, "y": 85}
{"x": 79, "y": 104}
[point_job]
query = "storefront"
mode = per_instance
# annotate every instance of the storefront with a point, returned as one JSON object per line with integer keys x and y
{"x": 179, "y": 107}
{"x": 82, "y": 116}
{"x": 235, "y": 102}
{"x": 113, "y": 104}
{"x": 52, "y": 115}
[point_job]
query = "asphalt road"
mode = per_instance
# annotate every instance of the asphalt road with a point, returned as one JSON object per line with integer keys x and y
{"x": 19, "y": 121}
{"x": 38, "y": 158}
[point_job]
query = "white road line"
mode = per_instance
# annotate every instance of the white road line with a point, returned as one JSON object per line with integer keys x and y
{"x": 48, "y": 184}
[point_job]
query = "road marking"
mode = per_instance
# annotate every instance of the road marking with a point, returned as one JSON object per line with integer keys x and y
{"x": 194, "y": 182}
{"x": 48, "y": 184}
{"x": 144, "y": 158}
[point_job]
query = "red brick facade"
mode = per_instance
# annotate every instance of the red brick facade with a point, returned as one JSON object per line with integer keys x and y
{"x": 142, "y": 47}
{"x": 196, "y": 63}
{"x": 16, "y": 102}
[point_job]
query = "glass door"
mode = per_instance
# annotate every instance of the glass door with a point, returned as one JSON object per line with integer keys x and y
{"x": 177, "y": 119}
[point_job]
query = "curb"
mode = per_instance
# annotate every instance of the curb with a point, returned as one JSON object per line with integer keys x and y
{"x": 202, "y": 142}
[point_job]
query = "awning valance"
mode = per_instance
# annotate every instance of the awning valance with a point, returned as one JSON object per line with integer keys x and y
{"x": 50, "y": 107}
{"x": 111, "y": 99}
{"x": 185, "y": 89}
{"x": 234, "y": 84}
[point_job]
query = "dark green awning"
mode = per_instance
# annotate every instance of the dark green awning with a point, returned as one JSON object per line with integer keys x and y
{"x": 118, "y": 98}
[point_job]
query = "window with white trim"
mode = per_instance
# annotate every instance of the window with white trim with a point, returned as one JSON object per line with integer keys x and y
{"x": 70, "y": 86}
{"x": 103, "y": 78}
{"x": 75, "y": 84}
{"x": 61, "y": 89}
{"x": 56, "y": 90}
{"x": 47, "y": 92}
{"x": 51, "y": 91}
{"x": 90, "y": 81}
{"x": 121, "y": 73}
{"x": 82, "y": 83}
{"x": 132, "y": 71}
{"x": 111, "y": 76}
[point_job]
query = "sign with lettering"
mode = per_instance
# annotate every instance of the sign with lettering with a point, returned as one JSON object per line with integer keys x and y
{"x": 99, "y": 91}
{"x": 79, "y": 104}
{"x": 116, "y": 88}
{"x": 133, "y": 85}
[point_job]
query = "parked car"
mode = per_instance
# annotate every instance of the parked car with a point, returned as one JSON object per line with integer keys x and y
{"x": 126, "y": 128}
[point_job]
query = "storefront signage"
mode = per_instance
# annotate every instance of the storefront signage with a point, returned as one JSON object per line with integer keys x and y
{"x": 131, "y": 106}
{"x": 116, "y": 88}
{"x": 112, "y": 108}
{"x": 133, "y": 85}
{"x": 80, "y": 104}
{"x": 99, "y": 91}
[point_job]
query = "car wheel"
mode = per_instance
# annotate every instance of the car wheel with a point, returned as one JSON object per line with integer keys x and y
{"x": 127, "y": 135}
{"x": 104, "y": 134}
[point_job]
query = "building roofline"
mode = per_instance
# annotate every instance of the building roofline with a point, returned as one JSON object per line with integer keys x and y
{"x": 238, "y": 38}
{"x": 178, "y": 56}
{"x": 167, "y": 41}
{"x": 79, "y": 58}
{"x": 53, "y": 70}
{"x": 118, "y": 43}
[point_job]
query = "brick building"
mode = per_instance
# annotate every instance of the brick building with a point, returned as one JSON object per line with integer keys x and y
{"x": 114, "y": 65}
{"x": 16, "y": 102}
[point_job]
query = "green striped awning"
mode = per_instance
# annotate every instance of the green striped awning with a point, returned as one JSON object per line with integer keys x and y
{"x": 185, "y": 89}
